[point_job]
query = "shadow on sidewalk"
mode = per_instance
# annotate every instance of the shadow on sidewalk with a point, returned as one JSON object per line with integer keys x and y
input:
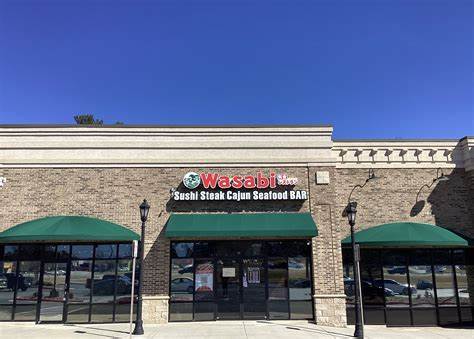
{"x": 81, "y": 330}
{"x": 307, "y": 329}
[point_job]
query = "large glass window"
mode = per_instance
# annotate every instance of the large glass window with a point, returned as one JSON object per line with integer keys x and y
{"x": 82, "y": 251}
{"x": 278, "y": 288}
{"x": 182, "y": 279}
{"x": 204, "y": 286}
{"x": 27, "y": 290}
{"x": 414, "y": 282}
{"x": 395, "y": 281}
{"x": 124, "y": 289}
{"x": 444, "y": 276}
{"x": 105, "y": 279}
{"x": 79, "y": 291}
{"x": 7, "y": 292}
{"x": 240, "y": 279}
{"x": 299, "y": 281}
{"x": 421, "y": 279}
{"x": 182, "y": 249}
{"x": 103, "y": 289}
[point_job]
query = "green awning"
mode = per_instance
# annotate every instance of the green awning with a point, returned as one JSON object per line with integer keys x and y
{"x": 268, "y": 225}
{"x": 67, "y": 229}
{"x": 407, "y": 234}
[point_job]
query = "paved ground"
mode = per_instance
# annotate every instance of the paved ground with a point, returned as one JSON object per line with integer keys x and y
{"x": 225, "y": 330}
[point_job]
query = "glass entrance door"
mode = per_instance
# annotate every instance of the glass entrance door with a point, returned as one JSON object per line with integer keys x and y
{"x": 253, "y": 289}
{"x": 53, "y": 292}
{"x": 228, "y": 289}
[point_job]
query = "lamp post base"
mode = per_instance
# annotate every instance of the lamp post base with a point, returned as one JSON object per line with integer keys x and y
{"x": 358, "y": 333}
{"x": 138, "y": 328}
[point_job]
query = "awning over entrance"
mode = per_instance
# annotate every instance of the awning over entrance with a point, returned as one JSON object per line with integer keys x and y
{"x": 407, "y": 234}
{"x": 241, "y": 225}
{"x": 67, "y": 228}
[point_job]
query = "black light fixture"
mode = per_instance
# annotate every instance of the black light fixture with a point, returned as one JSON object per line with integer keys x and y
{"x": 144, "y": 209}
{"x": 441, "y": 177}
{"x": 351, "y": 212}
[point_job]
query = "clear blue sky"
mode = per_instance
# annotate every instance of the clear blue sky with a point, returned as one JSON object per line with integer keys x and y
{"x": 372, "y": 69}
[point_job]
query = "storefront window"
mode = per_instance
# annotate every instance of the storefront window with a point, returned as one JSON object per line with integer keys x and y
{"x": 8, "y": 282}
{"x": 203, "y": 249}
{"x": 27, "y": 290}
{"x": 182, "y": 249}
{"x": 79, "y": 291}
{"x": 396, "y": 289}
{"x": 461, "y": 270}
{"x": 182, "y": 279}
{"x": 82, "y": 251}
{"x": 278, "y": 288}
{"x": 29, "y": 252}
{"x": 395, "y": 280}
{"x": 106, "y": 251}
{"x": 204, "y": 287}
{"x": 108, "y": 281}
{"x": 421, "y": 279}
{"x": 237, "y": 279}
{"x": 253, "y": 249}
{"x": 444, "y": 276}
{"x": 253, "y": 288}
{"x": 125, "y": 251}
{"x": 465, "y": 277}
{"x": 10, "y": 252}
{"x": 104, "y": 281}
{"x": 299, "y": 282}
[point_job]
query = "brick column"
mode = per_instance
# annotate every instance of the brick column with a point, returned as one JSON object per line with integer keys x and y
{"x": 156, "y": 284}
{"x": 329, "y": 298}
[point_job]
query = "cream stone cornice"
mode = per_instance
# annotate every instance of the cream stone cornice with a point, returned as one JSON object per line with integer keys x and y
{"x": 218, "y": 146}
{"x": 404, "y": 153}
{"x": 143, "y": 146}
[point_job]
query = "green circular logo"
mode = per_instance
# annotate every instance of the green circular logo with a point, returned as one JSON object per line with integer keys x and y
{"x": 191, "y": 180}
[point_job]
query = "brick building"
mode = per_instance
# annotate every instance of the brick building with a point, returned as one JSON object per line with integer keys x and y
{"x": 266, "y": 248}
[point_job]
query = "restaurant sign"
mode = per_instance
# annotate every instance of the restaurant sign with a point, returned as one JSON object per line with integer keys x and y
{"x": 213, "y": 186}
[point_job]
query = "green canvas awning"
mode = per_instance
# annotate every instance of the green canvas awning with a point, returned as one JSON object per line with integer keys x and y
{"x": 241, "y": 225}
{"x": 67, "y": 229}
{"x": 407, "y": 234}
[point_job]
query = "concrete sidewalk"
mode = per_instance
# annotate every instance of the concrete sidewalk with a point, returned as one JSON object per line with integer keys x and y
{"x": 225, "y": 329}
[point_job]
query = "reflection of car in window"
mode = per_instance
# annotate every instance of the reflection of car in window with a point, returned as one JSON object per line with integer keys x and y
{"x": 368, "y": 289}
{"x": 3, "y": 281}
{"x": 395, "y": 286}
{"x": 186, "y": 269}
{"x": 106, "y": 286}
{"x": 182, "y": 285}
{"x": 300, "y": 283}
{"x": 295, "y": 265}
{"x": 397, "y": 270}
{"x": 12, "y": 281}
{"x": 423, "y": 285}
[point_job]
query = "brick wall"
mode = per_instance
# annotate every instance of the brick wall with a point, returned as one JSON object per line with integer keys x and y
{"x": 393, "y": 197}
{"x": 115, "y": 193}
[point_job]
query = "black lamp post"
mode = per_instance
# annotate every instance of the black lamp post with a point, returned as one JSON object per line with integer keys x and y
{"x": 351, "y": 211}
{"x": 144, "y": 208}
{"x": 351, "y": 217}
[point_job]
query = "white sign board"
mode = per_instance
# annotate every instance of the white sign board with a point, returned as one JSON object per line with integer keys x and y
{"x": 228, "y": 272}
